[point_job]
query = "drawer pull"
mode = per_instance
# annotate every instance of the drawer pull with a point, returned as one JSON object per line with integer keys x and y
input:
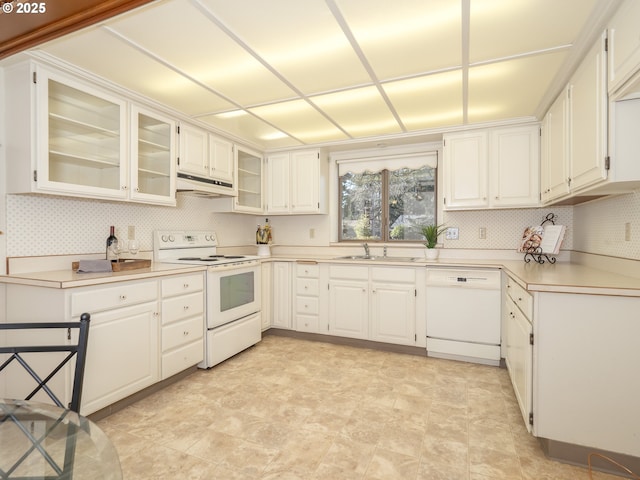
{"x": 123, "y": 297}
{"x": 186, "y": 285}
{"x": 186, "y": 307}
{"x": 185, "y": 333}
{"x": 306, "y": 287}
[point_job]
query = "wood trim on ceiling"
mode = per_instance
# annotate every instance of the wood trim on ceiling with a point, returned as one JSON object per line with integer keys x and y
{"x": 20, "y": 32}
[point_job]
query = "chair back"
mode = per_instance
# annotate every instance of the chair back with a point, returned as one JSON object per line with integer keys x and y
{"x": 78, "y": 350}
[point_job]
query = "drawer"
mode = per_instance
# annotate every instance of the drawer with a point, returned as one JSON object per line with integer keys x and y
{"x": 182, "y": 358}
{"x": 182, "y": 284}
{"x": 307, "y": 286}
{"x": 348, "y": 272}
{"x": 182, "y": 333}
{"x": 391, "y": 274}
{"x": 521, "y": 297}
{"x": 307, "y": 323}
{"x": 121, "y": 295}
{"x": 307, "y": 270}
{"x": 307, "y": 305}
{"x": 181, "y": 307}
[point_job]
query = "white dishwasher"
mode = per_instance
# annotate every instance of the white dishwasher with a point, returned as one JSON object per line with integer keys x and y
{"x": 463, "y": 314}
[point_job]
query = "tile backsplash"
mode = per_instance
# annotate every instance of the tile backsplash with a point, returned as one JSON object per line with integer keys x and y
{"x": 599, "y": 226}
{"x": 39, "y": 225}
{"x": 502, "y": 228}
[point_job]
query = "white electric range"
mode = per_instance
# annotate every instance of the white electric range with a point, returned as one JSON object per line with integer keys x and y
{"x": 232, "y": 290}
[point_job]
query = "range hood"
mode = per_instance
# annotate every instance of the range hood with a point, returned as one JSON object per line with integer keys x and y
{"x": 203, "y": 187}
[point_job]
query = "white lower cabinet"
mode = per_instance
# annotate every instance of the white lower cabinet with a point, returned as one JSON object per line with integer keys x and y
{"x": 374, "y": 303}
{"x": 349, "y": 308}
{"x": 517, "y": 339}
{"x": 281, "y": 316}
{"x": 307, "y": 297}
{"x": 182, "y": 337}
{"x": 128, "y": 342}
{"x": 267, "y": 294}
{"x": 122, "y": 355}
{"x": 393, "y": 305}
{"x": 586, "y": 362}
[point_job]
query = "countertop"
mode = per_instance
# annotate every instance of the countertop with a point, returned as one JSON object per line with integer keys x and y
{"x": 72, "y": 279}
{"x": 561, "y": 277}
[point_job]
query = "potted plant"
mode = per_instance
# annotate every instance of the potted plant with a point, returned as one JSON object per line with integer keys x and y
{"x": 431, "y": 233}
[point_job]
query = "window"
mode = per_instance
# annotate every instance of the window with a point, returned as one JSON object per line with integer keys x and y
{"x": 387, "y": 200}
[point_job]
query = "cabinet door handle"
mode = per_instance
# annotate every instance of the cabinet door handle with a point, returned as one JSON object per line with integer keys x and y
{"x": 186, "y": 285}
{"x": 123, "y": 297}
{"x": 186, "y": 307}
{"x": 185, "y": 333}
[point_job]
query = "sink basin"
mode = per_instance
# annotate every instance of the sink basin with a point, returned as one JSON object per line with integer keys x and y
{"x": 376, "y": 259}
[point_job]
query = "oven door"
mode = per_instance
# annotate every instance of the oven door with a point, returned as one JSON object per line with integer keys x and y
{"x": 233, "y": 292}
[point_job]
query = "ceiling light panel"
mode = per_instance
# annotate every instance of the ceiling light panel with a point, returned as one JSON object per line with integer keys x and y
{"x": 300, "y": 120}
{"x": 428, "y": 102}
{"x": 183, "y": 36}
{"x": 407, "y": 37}
{"x": 512, "y": 88}
{"x": 361, "y": 112}
{"x": 300, "y": 39}
{"x": 501, "y": 28}
{"x": 253, "y": 130}
{"x": 99, "y": 52}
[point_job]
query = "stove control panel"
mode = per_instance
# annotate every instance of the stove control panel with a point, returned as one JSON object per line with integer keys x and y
{"x": 182, "y": 239}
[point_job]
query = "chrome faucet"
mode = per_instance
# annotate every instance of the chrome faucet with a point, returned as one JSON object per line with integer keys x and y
{"x": 366, "y": 249}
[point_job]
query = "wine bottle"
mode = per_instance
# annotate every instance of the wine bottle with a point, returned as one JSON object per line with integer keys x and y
{"x": 112, "y": 245}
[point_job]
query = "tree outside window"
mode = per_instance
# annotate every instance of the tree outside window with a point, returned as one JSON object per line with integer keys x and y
{"x": 390, "y": 205}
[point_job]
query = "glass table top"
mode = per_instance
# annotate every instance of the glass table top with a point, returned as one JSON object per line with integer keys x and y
{"x": 44, "y": 441}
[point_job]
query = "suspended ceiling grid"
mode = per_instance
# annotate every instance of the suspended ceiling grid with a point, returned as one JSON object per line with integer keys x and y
{"x": 286, "y": 73}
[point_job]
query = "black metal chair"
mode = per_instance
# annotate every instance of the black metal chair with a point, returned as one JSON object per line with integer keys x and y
{"x": 79, "y": 351}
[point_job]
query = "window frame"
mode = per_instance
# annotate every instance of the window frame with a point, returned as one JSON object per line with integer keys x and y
{"x": 385, "y": 211}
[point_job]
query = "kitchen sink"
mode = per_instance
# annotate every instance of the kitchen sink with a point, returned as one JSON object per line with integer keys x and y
{"x": 376, "y": 259}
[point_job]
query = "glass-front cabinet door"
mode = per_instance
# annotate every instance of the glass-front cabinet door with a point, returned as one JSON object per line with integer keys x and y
{"x": 152, "y": 157}
{"x": 82, "y": 146}
{"x": 249, "y": 171}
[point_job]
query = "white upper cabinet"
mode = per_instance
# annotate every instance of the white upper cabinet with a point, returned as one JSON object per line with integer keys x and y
{"x": 575, "y": 132}
{"x": 296, "y": 182}
{"x": 555, "y": 150}
{"x": 497, "y": 168}
{"x": 153, "y": 170}
{"x": 278, "y": 183}
{"x": 64, "y": 136}
{"x": 71, "y": 137}
{"x": 624, "y": 44}
{"x": 249, "y": 184}
{"x": 249, "y": 181}
{"x": 194, "y": 154}
{"x": 514, "y": 166}
{"x": 588, "y": 119}
{"x": 220, "y": 159}
{"x": 465, "y": 167}
{"x": 205, "y": 155}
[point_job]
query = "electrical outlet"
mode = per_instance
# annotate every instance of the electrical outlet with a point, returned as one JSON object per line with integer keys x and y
{"x": 482, "y": 233}
{"x": 627, "y": 232}
{"x": 131, "y": 234}
{"x": 451, "y": 233}
{"x": 312, "y": 233}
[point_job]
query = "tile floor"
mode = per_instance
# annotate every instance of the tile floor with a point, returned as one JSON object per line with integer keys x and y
{"x": 291, "y": 409}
